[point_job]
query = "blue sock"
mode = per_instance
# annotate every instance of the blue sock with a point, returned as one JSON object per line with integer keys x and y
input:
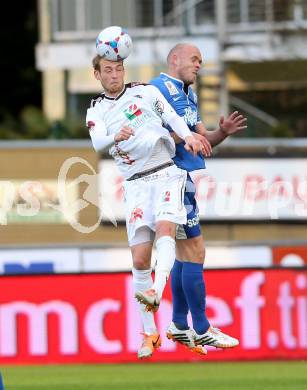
{"x": 195, "y": 292}
{"x": 180, "y": 305}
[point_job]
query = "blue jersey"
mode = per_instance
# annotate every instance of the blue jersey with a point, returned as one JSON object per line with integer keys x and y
{"x": 184, "y": 101}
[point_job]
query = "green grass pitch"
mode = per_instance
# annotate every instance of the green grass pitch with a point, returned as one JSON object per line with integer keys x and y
{"x": 180, "y": 376}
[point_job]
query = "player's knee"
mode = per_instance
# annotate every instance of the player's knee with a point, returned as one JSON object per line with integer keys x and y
{"x": 202, "y": 253}
{"x": 141, "y": 263}
{"x": 198, "y": 253}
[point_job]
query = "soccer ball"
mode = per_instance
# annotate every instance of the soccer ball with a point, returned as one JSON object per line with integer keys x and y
{"x": 113, "y": 43}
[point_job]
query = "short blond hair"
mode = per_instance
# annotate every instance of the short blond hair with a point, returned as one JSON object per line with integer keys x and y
{"x": 96, "y": 62}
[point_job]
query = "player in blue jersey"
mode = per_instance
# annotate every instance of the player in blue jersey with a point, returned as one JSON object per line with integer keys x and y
{"x": 188, "y": 286}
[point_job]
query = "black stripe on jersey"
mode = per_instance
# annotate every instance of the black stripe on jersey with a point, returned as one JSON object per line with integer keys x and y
{"x": 118, "y": 96}
{"x": 101, "y": 96}
{"x": 129, "y": 85}
{"x": 134, "y": 84}
{"x": 97, "y": 99}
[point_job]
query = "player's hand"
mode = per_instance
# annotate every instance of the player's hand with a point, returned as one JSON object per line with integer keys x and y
{"x": 206, "y": 146}
{"x": 193, "y": 145}
{"x": 125, "y": 133}
{"x": 234, "y": 123}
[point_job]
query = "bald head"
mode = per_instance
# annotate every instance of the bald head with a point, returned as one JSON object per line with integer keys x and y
{"x": 177, "y": 50}
{"x": 184, "y": 61}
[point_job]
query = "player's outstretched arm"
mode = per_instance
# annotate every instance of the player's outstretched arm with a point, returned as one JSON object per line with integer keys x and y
{"x": 234, "y": 123}
{"x": 171, "y": 118}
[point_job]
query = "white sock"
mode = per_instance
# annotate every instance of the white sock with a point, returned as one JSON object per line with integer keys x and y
{"x": 142, "y": 281}
{"x": 166, "y": 255}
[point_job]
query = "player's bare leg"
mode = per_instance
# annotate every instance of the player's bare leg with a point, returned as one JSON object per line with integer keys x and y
{"x": 191, "y": 248}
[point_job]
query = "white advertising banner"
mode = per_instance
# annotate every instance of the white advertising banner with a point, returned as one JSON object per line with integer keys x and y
{"x": 112, "y": 259}
{"x": 229, "y": 189}
{"x": 115, "y": 260}
{"x": 39, "y": 260}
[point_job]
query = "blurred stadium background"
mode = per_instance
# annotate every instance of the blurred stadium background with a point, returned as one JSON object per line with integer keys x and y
{"x": 60, "y": 259}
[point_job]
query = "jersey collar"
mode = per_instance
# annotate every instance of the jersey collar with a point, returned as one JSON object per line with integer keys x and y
{"x": 118, "y": 96}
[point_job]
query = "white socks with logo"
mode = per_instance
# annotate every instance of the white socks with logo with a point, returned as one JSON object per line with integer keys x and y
{"x": 142, "y": 281}
{"x": 166, "y": 254}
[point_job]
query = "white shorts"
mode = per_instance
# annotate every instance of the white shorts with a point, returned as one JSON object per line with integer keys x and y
{"x": 153, "y": 198}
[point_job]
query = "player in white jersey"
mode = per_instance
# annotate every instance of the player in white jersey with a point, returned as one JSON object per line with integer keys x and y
{"x": 127, "y": 120}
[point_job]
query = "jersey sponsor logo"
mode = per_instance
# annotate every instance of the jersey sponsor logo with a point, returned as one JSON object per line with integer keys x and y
{"x": 159, "y": 107}
{"x": 137, "y": 213}
{"x": 171, "y": 88}
{"x": 136, "y": 116}
{"x": 190, "y": 116}
{"x": 90, "y": 125}
{"x": 132, "y": 112}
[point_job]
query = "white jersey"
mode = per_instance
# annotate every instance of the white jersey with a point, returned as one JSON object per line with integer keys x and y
{"x": 144, "y": 109}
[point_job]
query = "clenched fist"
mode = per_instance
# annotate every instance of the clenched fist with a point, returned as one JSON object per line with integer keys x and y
{"x": 125, "y": 133}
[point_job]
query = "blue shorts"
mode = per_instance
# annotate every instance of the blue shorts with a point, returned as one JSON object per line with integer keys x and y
{"x": 192, "y": 227}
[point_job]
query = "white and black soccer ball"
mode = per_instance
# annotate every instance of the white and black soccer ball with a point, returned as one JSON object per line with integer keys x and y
{"x": 114, "y": 43}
